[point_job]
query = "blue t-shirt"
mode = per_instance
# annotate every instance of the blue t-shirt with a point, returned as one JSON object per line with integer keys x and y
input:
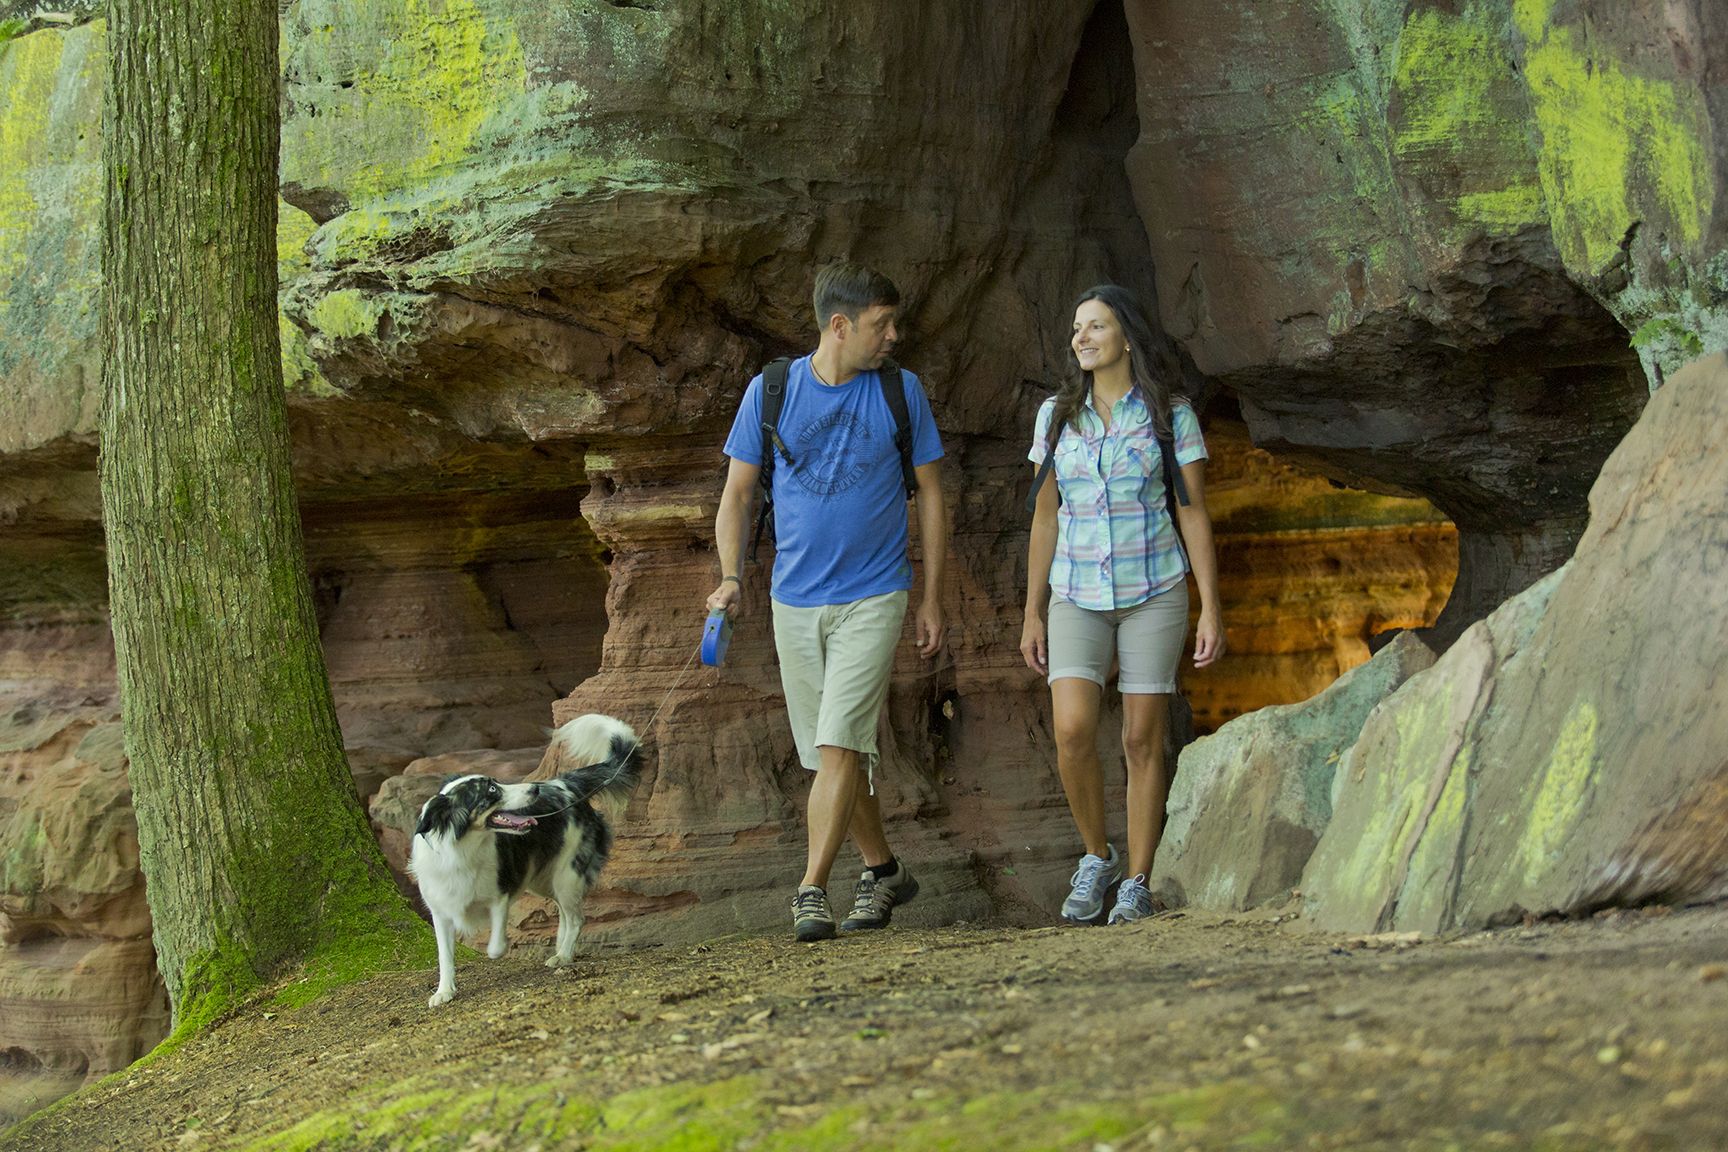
{"x": 840, "y": 508}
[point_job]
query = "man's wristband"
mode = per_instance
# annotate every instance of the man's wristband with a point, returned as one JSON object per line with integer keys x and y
{"x": 734, "y": 580}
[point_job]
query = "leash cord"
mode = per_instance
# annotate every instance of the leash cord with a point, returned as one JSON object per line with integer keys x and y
{"x": 697, "y": 651}
{"x": 624, "y": 762}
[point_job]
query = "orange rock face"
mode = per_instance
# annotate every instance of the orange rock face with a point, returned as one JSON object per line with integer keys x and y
{"x": 1310, "y": 574}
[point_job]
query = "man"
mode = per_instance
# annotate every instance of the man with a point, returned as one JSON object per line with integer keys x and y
{"x": 842, "y": 578}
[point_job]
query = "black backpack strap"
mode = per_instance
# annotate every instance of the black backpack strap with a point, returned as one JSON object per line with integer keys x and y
{"x": 774, "y": 376}
{"x": 1175, "y": 491}
{"x": 1174, "y": 485}
{"x": 1052, "y": 435}
{"x": 1038, "y": 482}
{"x": 894, "y": 392}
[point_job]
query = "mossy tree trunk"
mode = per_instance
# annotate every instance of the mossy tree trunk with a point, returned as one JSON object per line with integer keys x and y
{"x": 256, "y": 854}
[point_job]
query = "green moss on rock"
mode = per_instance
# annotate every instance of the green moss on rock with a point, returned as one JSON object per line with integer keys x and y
{"x": 347, "y": 313}
{"x": 50, "y": 200}
{"x": 1463, "y": 116}
{"x": 1617, "y": 148}
{"x": 415, "y": 79}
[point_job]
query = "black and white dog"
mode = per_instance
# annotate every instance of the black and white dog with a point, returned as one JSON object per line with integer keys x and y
{"x": 480, "y": 843}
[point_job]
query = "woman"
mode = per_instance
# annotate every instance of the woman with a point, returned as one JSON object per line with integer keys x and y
{"x": 1114, "y": 567}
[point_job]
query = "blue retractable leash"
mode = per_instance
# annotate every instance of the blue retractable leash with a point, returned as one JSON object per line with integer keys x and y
{"x": 716, "y": 635}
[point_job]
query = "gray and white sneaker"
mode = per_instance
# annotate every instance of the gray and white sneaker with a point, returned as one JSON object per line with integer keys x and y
{"x": 1091, "y": 880}
{"x": 873, "y": 905}
{"x": 811, "y": 919}
{"x": 1133, "y": 901}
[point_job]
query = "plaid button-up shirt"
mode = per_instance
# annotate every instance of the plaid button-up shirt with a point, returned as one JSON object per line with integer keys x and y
{"x": 1116, "y": 545}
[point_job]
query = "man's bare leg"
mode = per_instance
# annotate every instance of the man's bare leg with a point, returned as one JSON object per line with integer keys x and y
{"x": 833, "y": 798}
{"x": 867, "y": 831}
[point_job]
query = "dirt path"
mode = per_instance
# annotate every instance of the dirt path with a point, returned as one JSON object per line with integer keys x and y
{"x": 1184, "y": 1032}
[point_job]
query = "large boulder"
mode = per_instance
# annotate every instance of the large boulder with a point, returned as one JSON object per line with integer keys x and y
{"x": 1567, "y": 753}
{"x": 1402, "y": 786}
{"x": 1249, "y": 802}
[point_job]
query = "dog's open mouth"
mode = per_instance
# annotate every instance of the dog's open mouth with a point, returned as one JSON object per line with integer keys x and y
{"x": 513, "y": 823}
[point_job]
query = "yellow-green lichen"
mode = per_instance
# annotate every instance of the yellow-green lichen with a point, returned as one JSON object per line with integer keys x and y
{"x": 50, "y": 208}
{"x": 418, "y": 79}
{"x": 1562, "y": 794}
{"x": 23, "y": 848}
{"x": 300, "y": 373}
{"x": 1617, "y": 148}
{"x": 1504, "y": 209}
{"x": 347, "y": 313}
{"x": 29, "y": 78}
{"x": 293, "y": 229}
{"x": 1429, "y": 880}
{"x": 1462, "y": 115}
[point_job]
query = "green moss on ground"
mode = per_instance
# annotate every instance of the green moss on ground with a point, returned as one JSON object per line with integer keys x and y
{"x": 725, "y": 1114}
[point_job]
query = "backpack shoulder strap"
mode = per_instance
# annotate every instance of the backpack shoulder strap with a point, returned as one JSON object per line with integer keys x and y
{"x": 1173, "y": 483}
{"x": 1052, "y": 434}
{"x": 894, "y": 392}
{"x": 774, "y": 375}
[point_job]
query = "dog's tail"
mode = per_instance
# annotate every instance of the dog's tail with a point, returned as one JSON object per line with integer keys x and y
{"x": 597, "y": 758}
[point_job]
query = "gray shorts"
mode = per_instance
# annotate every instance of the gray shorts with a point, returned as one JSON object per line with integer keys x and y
{"x": 835, "y": 663}
{"x": 1146, "y": 640}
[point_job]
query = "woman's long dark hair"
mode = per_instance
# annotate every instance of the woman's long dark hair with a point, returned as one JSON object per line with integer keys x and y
{"x": 1143, "y": 365}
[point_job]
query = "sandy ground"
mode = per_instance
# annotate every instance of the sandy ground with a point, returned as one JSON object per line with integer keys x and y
{"x": 1187, "y": 1031}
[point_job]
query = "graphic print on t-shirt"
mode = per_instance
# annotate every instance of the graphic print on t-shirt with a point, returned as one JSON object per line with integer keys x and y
{"x": 833, "y": 453}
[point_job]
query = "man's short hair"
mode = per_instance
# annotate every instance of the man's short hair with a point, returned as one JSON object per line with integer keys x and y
{"x": 850, "y": 289}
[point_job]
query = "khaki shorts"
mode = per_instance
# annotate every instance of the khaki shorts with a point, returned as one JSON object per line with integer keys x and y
{"x": 1146, "y": 640}
{"x": 835, "y": 663}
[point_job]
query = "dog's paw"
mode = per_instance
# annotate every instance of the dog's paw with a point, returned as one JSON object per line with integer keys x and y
{"x": 557, "y": 961}
{"x": 442, "y": 996}
{"x": 496, "y": 951}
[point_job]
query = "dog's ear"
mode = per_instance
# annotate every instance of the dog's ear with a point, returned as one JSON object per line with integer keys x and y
{"x": 434, "y": 814}
{"x": 443, "y": 814}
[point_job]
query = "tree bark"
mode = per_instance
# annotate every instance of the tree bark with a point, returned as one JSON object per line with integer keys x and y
{"x": 255, "y": 851}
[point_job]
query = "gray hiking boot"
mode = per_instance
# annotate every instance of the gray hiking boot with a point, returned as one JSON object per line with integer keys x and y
{"x": 873, "y": 905}
{"x": 1133, "y": 901}
{"x": 1091, "y": 880}
{"x": 811, "y": 919}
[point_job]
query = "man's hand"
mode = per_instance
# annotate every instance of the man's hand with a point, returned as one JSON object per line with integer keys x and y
{"x": 1034, "y": 648}
{"x": 729, "y": 596}
{"x": 929, "y": 627}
